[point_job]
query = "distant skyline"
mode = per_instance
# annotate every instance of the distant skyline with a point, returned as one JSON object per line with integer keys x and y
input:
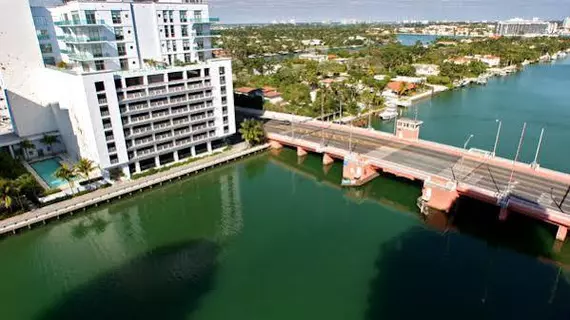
{"x": 264, "y": 11}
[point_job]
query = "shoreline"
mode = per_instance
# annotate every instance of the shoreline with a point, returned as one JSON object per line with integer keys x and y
{"x": 11, "y": 225}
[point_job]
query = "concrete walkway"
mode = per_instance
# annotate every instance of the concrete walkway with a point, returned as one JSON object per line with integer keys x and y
{"x": 123, "y": 189}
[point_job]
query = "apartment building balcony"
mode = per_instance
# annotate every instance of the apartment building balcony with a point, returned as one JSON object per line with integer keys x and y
{"x": 83, "y": 39}
{"x": 204, "y": 20}
{"x": 164, "y": 146}
{"x": 84, "y": 56}
{"x": 202, "y": 49}
{"x": 143, "y": 152}
{"x": 134, "y": 96}
{"x": 80, "y": 23}
{"x": 43, "y": 37}
{"x": 139, "y": 132}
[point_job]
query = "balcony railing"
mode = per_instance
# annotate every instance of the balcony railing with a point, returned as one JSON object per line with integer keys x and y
{"x": 81, "y": 39}
{"x": 79, "y": 22}
{"x": 109, "y": 138}
{"x": 88, "y": 57}
{"x": 141, "y": 130}
{"x": 43, "y": 36}
{"x": 204, "y": 20}
{"x": 164, "y": 146}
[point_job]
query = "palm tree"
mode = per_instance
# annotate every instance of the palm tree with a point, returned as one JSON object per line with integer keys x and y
{"x": 49, "y": 141}
{"x": 84, "y": 167}
{"x": 26, "y": 145}
{"x": 6, "y": 193}
{"x": 65, "y": 173}
{"x": 252, "y": 131}
{"x": 403, "y": 88}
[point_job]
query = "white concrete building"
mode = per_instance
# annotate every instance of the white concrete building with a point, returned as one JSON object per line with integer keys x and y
{"x": 135, "y": 85}
{"x": 566, "y": 23}
{"x": 520, "y": 27}
{"x": 426, "y": 69}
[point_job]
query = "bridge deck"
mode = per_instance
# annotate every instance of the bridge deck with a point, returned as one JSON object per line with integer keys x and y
{"x": 538, "y": 188}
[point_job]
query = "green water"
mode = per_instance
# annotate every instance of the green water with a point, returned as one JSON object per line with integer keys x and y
{"x": 273, "y": 237}
{"x": 539, "y": 96}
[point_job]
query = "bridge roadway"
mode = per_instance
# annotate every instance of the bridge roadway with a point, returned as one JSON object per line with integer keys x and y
{"x": 541, "y": 191}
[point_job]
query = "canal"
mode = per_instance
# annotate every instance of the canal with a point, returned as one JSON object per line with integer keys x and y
{"x": 538, "y": 96}
{"x": 273, "y": 237}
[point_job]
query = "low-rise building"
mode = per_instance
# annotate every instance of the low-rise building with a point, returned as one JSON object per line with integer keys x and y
{"x": 312, "y": 42}
{"x": 490, "y": 60}
{"x": 314, "y": 57}
{"x": 427, "y": 69}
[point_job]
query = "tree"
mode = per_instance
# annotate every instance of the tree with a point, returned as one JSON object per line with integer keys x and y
{"x": 65, "y": 173}
{"x": 6, "y": 193}
{"x": 27, "y": 145}
{"x": 252, "y": 131}
{"x": 84, "y": 167}
{"x": 403, "y": 88}
{"x": 405, "y": 70}
{"x": 49, "y": 141}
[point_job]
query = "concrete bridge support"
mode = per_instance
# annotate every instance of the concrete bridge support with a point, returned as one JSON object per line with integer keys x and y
{"x": 439, "y": 194}
{"x": 275, "y": 145}
{"x": 357, "y": 172}
{"x": 503, "y": 214}
{"x": 301, "y": 152}
{"x": 327, "y": 160}
{"x": 561, "y": 234}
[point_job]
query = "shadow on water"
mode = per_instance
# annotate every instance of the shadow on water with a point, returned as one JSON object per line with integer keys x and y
{"x": 428, "y": 275}
{"x": 165, "y": 283}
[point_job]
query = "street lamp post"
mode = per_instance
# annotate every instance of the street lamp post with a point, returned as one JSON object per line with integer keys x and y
{"x": 497, "y": 137}
{"x": 535, "y": 162}
{"x": 516, "y": 156}
{"x": 465, "y": 149}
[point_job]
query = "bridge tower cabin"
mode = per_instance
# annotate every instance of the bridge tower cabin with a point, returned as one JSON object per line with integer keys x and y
{"x": 408, "y": 128}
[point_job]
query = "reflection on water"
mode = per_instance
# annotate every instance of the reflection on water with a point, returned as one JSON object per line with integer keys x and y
{"x": 165, "y": 283}
{"x": 276, "y": 237}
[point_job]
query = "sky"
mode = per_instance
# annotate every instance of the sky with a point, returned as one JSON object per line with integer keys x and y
{"x": 256, "y": 11}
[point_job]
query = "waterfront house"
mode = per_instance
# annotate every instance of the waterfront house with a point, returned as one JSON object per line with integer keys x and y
{"x": 314, "y": 57}
{"x": 490, "y": 60}
{"x": 426, "y": 69}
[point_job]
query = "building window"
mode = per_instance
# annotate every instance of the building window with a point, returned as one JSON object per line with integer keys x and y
{"x": 114, "y": 159}
{"x": 226, "y": 129}
{"x": 183, "y": 17}
{"x": 124, "y": 64}
{"x": 46, "y": 48}
{"x": 197, "y": 15}
{"x": 186, "y": 45}
{"x": 121, "y": 49}
{"x": 224, "y": 100}
{"x": 184, "y": 31}
{"x": 187, "y": 58}
{"x": 172, "y": 31}
{"x": 99, "y": 86}
{"x": 223, "y": 80}
{"x": 223, "y": 90}
{"x": 222, "y": 70}
{"x": 206, "y": 72}
{"x": 49, "y": 61}
{"x": 119, "y": 33}
{"x": 116, "y": 16}
{"x": 99, "y": 65}
{"x": 174, "y": 45}
{"x": 165, "y": 16}
{"x": 171, "y": 16}
{"x": 166, "y": 32}
{"x": 90, "y": 17}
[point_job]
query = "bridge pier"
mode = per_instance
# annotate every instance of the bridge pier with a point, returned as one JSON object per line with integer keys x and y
{"x": 357, "y": 172}
{"x": 439, "y": 194}
{"x": 275, "y": 145}
{"x": 327, "y": 160}
{"x": 301, "y": 152}
{"x": 561, "y": 234}
{"x": 503, "y": 214}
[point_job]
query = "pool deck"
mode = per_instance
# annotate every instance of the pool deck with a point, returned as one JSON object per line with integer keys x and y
{"x": 119, "y": 190}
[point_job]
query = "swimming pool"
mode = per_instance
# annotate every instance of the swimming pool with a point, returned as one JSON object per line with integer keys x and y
{"x": 46, "y": 169}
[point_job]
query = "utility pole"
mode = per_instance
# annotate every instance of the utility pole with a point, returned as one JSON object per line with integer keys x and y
{"x": 535, "y": 162}
{"x": 350, "y": 138}
{"x": 497, "y": 137}
{"x": 323, "y": 119}
{"x": 516, "y": 156}
{"x": 465, "y": 150}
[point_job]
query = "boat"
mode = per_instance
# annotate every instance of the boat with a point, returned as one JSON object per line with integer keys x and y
{"x": 481, "y": 80}
{"x": 389, "y": 113}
